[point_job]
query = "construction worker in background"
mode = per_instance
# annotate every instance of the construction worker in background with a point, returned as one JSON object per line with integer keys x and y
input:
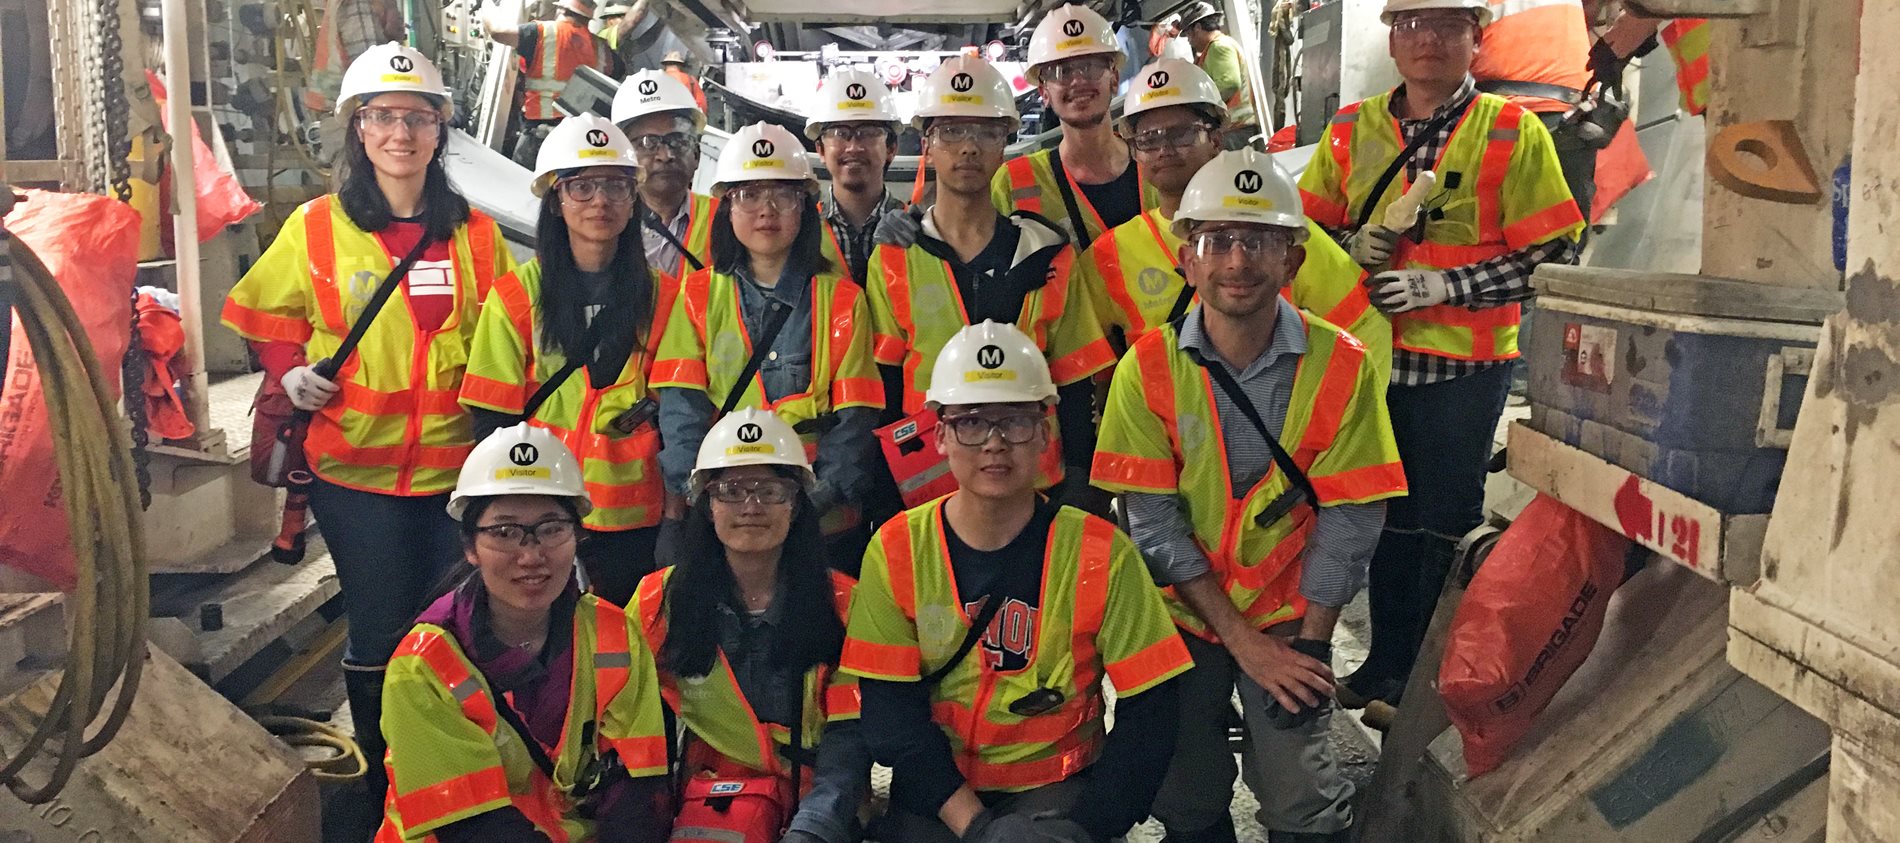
{"x": 747, "y": 626}
{"x": 674, "y": 63}
{"x": 1252, "y": 444}
{"x": 520, "y": 708}
{"x": 1172, "y": 118}
{"x": 388, "y": 435}
{"x": 1221, "y": 56}
{"x": 986, "y": 621}
{"x": 971, "y": 264}
{"x": 1537, "y": 55}
{"x": 550, "y": 52}
{"x": 1088, "y": 182}
{"x": 856, "y": 128}
{"x": 1500, "y": 208}
{"x": 664, "y": 123}
{"x": 771, "y": 303}
{"x": 573, "y": 333}
{"x": 349, "y": 27}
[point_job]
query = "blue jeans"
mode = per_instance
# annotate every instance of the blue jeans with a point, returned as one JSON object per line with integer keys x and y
{"x": 390, "y": 552}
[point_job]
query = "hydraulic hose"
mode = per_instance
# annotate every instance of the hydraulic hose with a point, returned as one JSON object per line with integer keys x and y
{"x": 111, "y": 596}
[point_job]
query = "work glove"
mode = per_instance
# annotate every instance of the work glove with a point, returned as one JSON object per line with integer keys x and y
{"x": 308, "y": 390}
{"x": 900, "y": 227}
{"x": 1371, "y": 246}
{"x": 800, "y": 837}
{"x": 1400, "y": 290}
{"x": 1277, "y": 715}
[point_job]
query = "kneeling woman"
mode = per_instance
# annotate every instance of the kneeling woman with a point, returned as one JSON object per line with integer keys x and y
{"x": 747, "y": 628}
{"x": 518, "y": 708}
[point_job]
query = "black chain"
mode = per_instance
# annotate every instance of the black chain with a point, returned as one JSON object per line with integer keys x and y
{"x": 118, "y": 144}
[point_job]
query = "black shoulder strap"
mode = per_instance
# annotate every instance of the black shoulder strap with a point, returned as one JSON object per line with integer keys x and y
{"x": 773, "y": 324}
{"x": 1281, "y": 458}
{"x": 535, "y": 750}
{"x": 329, "y": 366}
{"x": 1068, "y": 201}
{"x": 994, "y": 597}
{"x": 591, "y": 341}
{"x": 1392, "y": 170}
{"x": 659, "y": 227}
{"x": 1181, "y": 301}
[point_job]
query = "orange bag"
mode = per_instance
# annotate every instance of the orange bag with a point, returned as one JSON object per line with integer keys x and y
{"x": 922, "y": 474}
{"x": 752, "y": 809}
{"x": 1531, "y": 616}
{"x": 221, "y": 199}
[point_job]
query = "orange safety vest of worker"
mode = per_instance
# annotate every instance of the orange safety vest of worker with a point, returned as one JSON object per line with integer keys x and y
{"x": 1688, "y": 42}
{"x": 326, "y": 66}
{"x": 397, "y": 426}
{"x": 691, "y": 83}
{"x": 1541, "y": 41}
{"x": 545, "y": 73}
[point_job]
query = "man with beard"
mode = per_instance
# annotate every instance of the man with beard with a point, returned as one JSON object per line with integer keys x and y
{"x": 856, "y": 129}
{"x": 660, "y": 118}
{"x": 1251, "y": 442}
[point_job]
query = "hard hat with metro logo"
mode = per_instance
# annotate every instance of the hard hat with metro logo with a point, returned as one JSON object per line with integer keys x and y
{"x": 1070, "y": 32}
{"x": 990, "y": 363}
{"x": 584, "y": 140}
{"x": 519, "y": 460}
{"x": 1169, "y": 81}
{"x": 852, "y": 96}
{"x": 1243, "y": 185}
{"x": 1393, "y": 8}
{"x": 763, "y": 152}
{"x": 749, "y": 437}
{"x": 388, "y": 69}
{"x": 965, "y": 86}
{"x": 584, "y": 8}
{"x": 653, "y": 92}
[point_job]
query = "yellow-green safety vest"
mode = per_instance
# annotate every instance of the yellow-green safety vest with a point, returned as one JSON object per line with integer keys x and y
{"x": 1028, "y": 183}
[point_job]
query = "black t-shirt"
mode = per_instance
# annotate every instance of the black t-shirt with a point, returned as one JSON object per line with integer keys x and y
{"x": 1009, "y": 643}
{"x": 1119, "y": 200}
{"x": 984, "y": 282}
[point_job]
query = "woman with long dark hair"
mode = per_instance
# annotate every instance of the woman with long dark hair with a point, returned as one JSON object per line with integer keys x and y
{"x": 770, "y": 276}
{"x": 387, "y": 435}
{"x": 574, "y": 333}
{"x": 747, "y": 626}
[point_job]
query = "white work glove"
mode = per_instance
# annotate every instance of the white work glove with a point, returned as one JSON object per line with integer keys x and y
{"x": 900, "y": 227}
{"x": 1371, "y": 247}
{"x": 1400, "y": 290}
{"x": 308, "y": 390}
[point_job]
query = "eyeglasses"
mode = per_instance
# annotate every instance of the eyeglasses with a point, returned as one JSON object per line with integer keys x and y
{"x": 1178, "y": 137}
{"x": 1075, "y": 71}
{"x": 975, "y": 431}
{"x": 676, "y": 142}
{"x": 553, "y": 532}
{"x": 384, "y": 119}
{"x": 847, "y": 135}
{"x": 617, "y": 191}
{"x": 768, "y": 492}
{"x": 973, "y": 134}
{"x": 1252, "y": 243}
{"x": 752, "y": 199}
{"x": 1442, "y": 27}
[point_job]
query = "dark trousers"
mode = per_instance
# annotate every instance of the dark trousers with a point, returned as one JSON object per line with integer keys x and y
{"x": 1445, "y": 433}
{"x": 390, "y": 552}
{"x": 616, "y": 561}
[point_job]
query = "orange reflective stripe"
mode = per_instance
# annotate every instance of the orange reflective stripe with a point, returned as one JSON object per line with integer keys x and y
{"x": 1096, "y": 551}
{"x": 1082, "y": 362}
{"x": 1493, "y": 167}
{"x": 617, "y": 495}
{"x": 1341, "y": 147}
{"x": 436, "y": 652}
{"x": 1145, "y": 472}
{"x": 493, "y": 394}
{"x": 481, "y": 246}
{"x": 649, "y": 597}
{"x": 891, "y": 350}
{"x": 1323, "y": 211}
{"x": 1106, "y": 257}
{"x": 1336, "y": 387}
{"x": 320, "y": 242}
{"x": 613, "y": 654}
{"x": 1541, "y": 225}
{"x": 849, "y": 392}
{"x": 429, "y": 804}
{"x": 1152, "y": 663}
{"x": 843, "y": 699}
{"x": 1024, "y": 193}
{"x": 1151, "y": 354}
{"x": 1361, "y": 483}
{"x": 1443, "y": 256}
{"x": 1347, "y": 311}
{"x": 900, "y": 567}
{"x": 1463, "y": 317}
{"x": 430, "y": 402}
{"x": 1030, "y": 773}
{"x": 326, "y": 440}
{"x": 882, "y": 660}
{"x": 640, "y": 754}
{"x": 520, "y": 311}
{"x": 680, "y": 372}
{"x": 258, "y": 325}
{"x": 1053, "y": 727}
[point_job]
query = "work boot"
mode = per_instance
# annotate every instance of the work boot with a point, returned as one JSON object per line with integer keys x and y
{"x": 1343, "y": 835}
{"x": 1363, "y": 687}
{"x": 1220, "y": 832}
{"x": 354, "y": 812}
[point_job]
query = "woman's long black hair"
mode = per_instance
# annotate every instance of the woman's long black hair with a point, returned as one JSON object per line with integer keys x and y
{"x": 443, "y": 210}
{"x": 811, "y": 633}
{"x": 808, "y": 249}
{"x": 626, "y": 314}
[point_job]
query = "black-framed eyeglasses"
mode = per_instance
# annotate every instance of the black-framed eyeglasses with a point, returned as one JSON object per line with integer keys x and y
{"x": 677, "y": 142}
{"x": 617, "y": 190}
{"x": 960, "y": 134}
{"x": 753, "y": 198}
{"x": 768, "y": 492}
{"x": 864, "y": 134}
{"x": 1255, "y": 244}
{"x": 1177, "y": 137}
{"x": 1075, "y": 71}
{"x": 554, "y": 532}
{"x": 975, "y": 431}
{"x": 385, "y": 119}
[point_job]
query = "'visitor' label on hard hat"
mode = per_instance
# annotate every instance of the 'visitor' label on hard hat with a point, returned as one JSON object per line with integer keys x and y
{"x": 736, "y": 450}
{"x": 981, "y": 375}
{"x": 523, "y": 473}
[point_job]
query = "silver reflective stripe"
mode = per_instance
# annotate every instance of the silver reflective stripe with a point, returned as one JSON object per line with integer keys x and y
{"x": 918, "y": 480}
{"x": 1503, "y": 135}
{"x": 603, "y": 661}
{"x": 461, "y": 691}
{"x": 1021, "y": 193}
{"x": 719, "y": 835}
{"x": 1346, "y": 118}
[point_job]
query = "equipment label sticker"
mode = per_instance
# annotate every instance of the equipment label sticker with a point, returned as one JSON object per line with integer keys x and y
{"x": 1589, "y": 356}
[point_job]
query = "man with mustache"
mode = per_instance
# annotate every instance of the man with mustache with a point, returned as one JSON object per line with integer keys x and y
{"x": 1455, "y": 279}
{"x": 660, "y": 117}
{"x": 1251, "y": 444}
{"x": 856, "y": 129}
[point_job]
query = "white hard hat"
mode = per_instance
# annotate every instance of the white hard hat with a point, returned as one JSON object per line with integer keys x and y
{"x": 584, "y": 8}
{"x": 652, "y": 92}
{"x": 1169, "y": 81}
{"x": 1242, "y": 185}
{"x": 584, "y": 140}
{"x": 852, "y": 96}
{"x": 762, "y": 152}
{"x": 519, "y": 460}
{"x": 1068, "y": 32}
{"x": 990, "y": 363}
{"x": 749, "y": 437}
{"x": 1394, "y": 7}
{"x": 387, "y": 69}
{"x": 965, "y": 86}
{"x": 1196, "y": 12}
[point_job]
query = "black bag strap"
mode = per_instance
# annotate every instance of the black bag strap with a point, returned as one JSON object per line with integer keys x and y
{"x": 773, "y": 324}
{"x": 998, "y": 593}
{"x": 591, "y": 341}
{"x": 1280, "y": 457}
{"x": 659, "y": 227}
{"x": 1392, "y": 170}
{"x": 1181, "y": 301}
{"x": 1068, "y": 201}
{"x": 796, "y": 752}
{"x": 329, "y": 366}
{"x": 535, "y": 750}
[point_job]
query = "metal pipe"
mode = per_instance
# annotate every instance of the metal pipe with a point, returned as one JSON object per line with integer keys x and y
{"x": 176, "y": 22}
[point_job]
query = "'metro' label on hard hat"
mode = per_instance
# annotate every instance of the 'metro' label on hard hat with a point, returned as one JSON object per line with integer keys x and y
{"x": 982, "y": 375}
{"x": 518, "y": 472}
{"x": 737, "y": 450}
{"x": 401, "y": 79}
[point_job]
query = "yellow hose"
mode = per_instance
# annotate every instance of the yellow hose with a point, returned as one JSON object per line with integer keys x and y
{"x": 107, "y": 607}
{"x": 346, "y": 763}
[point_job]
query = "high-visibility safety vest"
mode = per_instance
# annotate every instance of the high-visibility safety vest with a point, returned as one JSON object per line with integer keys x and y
{"x": 564, "y": 46}
{"x": 1028, "y": 183}
{"x": 1160, "y": 435}
{"x": 715, "y": 710}
{"x": 1503, "y": 190}
{"x": 1542, "y": 41}
{"x": 507, "y": 363}
{"x": 706, "y": 347}
{"x": 1132, "y": 277}
{"x": 698, "y": 240}
{"x": 452, "y": 757}
{"x": 326, "y": 66}
{"x": 1225, "y": 50}
{"x": 1099, "y": 614}
{"x": 1688, "y": 43}
{"x": 396, "y": 427}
